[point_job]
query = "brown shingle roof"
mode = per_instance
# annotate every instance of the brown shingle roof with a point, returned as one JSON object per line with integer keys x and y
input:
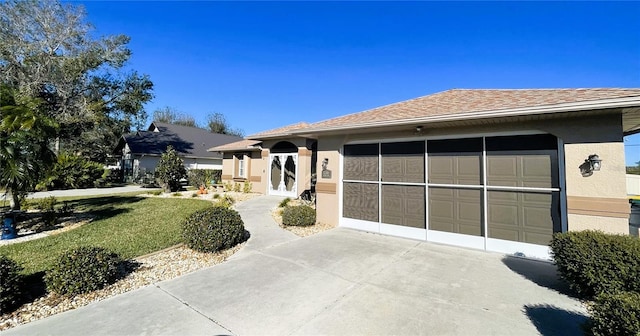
{"x": 460, "y": 101}
{"x": 236, "y": 146}
{"x": 282, "y": 130}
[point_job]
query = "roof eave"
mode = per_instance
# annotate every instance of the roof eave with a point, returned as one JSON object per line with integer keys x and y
{"x": 534, "y": 110}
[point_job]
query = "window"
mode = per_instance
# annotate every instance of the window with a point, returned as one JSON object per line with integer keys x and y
{"x": 240, "y": 169}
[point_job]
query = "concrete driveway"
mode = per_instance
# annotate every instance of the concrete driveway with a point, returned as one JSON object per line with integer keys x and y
{"x": 341, "y": 282}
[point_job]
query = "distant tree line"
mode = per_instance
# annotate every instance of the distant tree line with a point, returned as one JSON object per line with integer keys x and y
{"x": 215, "y": 123}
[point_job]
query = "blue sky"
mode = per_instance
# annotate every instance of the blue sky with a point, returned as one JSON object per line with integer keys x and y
{"x": 269, "y": 64}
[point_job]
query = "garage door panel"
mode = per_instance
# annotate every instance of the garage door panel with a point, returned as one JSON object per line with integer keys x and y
{"x": 361, "y": 168}
{"x": 403, "y": 205}
{"x": 361, "y": 162}
{"x": 536, "y": 238}
{"x": 460, "y": 169}
{"x": 502, "y": 167}
{"x": 441, "y": 170}
{"x": 502, "y": 214}
{"x": 529, "y": 217}
{"x": 455, "y": 210}
{"x": 360, "y": 201}
{"x": 505, "y": 233}
{"x": 522, "y": 169}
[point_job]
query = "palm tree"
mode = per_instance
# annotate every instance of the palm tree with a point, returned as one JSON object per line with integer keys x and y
{"x": 25, "y": 156}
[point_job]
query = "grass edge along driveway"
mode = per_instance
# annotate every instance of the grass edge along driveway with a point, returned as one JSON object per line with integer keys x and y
{"x": 128, "y": 225}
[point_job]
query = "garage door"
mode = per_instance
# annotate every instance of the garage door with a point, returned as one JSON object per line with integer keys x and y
{"x": 498, "y": 193}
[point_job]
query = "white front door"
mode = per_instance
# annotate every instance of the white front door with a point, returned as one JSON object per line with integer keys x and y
{"x": 283, "y": 170}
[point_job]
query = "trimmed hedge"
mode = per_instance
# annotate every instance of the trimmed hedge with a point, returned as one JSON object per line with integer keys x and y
{"x": 213, "y": 229}
{"x": 615, "y": 314}
{"x": 593, "y": 262}
{"x": 10, "y": 284}
{"x": 83, "y": 270}
{"x": 303, "y": 215}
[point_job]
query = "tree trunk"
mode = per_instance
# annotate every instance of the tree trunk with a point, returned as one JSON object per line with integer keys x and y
{"x": 14, "y": 203}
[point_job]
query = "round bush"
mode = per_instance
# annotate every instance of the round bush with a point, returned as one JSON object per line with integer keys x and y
{"x": 593, "y": 262}
{"x": 213, "y": 229}
{"x": 303, "y": 215}
{"x": 10, "y": 284}
{"x": 83, "y": 270}
{"x": 615, "y": 314}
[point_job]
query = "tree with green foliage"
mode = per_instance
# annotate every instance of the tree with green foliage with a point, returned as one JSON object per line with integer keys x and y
{"x": 25, "y": 154}
{"x": 171, "y": 115}
{"x": 171, "y": 170}
{"x": 48, "y": 53}
{"x": 217, "y": 123}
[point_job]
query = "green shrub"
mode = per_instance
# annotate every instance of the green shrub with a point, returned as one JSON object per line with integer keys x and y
{"x": 247, "y": 187}
{"x": 170, "y": 170}
{"x": 593, "y": 262}
{"x": 303, "y": 215}
{"x": 72, "y": 172}
{"x": 236, "y": 187}
{"x": 213, "y": 229}
{"x": 45, "y": 204}
{"x": 176, "y": 194}
{"x": 83, "y": 270}
{"x": 194, "y": 195}
{"x": 615, "y": 314}
{"x": 284, "y": 202}
{"x": 225, "y": 201}
{"x": 216, "y": 196}
{"x": 203, "y": 177}
{"x": 10, "y": 284}
{"x": 228, "y": 186}
{"x": 155, "y": 192}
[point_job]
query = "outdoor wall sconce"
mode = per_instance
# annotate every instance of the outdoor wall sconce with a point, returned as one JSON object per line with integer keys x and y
{"x": 591, "y": 164}
{"x": 595, "y": 162}
{"x": 418, "y": 129}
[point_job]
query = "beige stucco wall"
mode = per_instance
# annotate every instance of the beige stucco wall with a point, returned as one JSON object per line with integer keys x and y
{"x": 328, "y": 189}
{"x": 606, "y": 224}
{"x": 257, "y": 169}
{"x": 227, "y": 167}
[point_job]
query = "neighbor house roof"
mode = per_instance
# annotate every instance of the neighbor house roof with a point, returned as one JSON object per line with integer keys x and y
{"x": 467, "y": 104}
{"x": 188, "y": 141}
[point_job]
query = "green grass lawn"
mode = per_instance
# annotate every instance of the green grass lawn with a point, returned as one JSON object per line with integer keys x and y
{"x": 128, "y": 225}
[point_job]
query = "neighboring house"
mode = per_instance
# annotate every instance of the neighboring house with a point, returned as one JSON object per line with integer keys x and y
{"x": 140, "y": 151}
{"x": 500, "y": 170}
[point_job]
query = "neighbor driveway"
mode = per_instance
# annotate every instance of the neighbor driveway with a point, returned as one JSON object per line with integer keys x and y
{"x": 338, "y": 282}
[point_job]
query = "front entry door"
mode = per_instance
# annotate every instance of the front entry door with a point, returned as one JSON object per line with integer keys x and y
{"x": 283, "y": 171}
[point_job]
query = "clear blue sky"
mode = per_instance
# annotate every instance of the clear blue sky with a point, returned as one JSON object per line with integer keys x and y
{"x": 269, "y": 64}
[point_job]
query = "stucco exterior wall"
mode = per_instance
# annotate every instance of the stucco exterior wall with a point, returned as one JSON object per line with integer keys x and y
{"x": 227, "y": 167}
{"x": 257, "y": 170}
{"x": 328, "y": 188}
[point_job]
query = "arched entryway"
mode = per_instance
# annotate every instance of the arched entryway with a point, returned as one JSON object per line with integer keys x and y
{"x": 283, "y": 169}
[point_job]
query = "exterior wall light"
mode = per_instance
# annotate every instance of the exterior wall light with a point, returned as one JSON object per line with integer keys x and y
{"x": 594, "y": 162}
{"x": 591, "y": 164}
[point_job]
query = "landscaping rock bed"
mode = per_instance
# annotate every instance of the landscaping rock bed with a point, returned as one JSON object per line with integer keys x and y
{"x": 159, "y": 266}
{"x": 301, "y": 231}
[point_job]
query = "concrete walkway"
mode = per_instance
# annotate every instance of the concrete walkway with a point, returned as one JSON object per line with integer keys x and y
{"x": 340, "y": 282}
{"x": 80, "y": 192}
